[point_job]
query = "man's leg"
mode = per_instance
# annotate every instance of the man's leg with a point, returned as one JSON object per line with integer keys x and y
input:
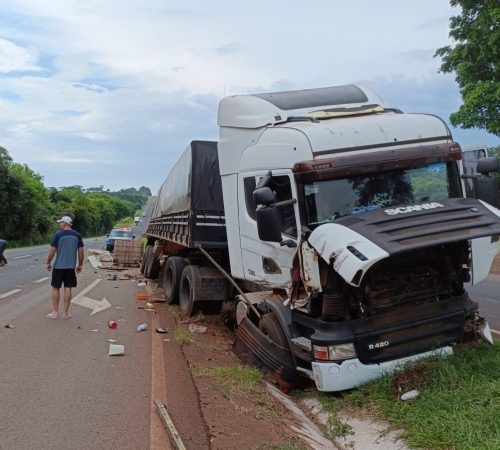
{"x": 67, "y": 301}
{"x": 55, "y": 303}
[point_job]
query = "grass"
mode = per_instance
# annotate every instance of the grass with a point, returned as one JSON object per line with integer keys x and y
{"x": 235, "y": 377}
{"x": 459, "y": 403}
{"x": 285, "y": 446}
{"x": 184, "y": 337}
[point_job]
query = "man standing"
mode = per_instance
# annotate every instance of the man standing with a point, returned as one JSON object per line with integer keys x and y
{"x": 3, "y": 245}
{"x": 66, "y": 245}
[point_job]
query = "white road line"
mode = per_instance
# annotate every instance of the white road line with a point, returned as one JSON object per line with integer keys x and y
{"x": 14, "y": 291}
{"x": 24, "y": 256}
{"x": 41, "y": 280}
{"x": 87, "y": 289}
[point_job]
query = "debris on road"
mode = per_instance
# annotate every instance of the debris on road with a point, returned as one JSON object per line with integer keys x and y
{"x": 10, "y": 326}
{"x": 112, "y": 324}
{"x": 113, "y": 341}
{"x": 116, "y": 350}
{"x": 161, "y": 330}
{"x": 142, "y": 327}
{"x": 200, "y": 329}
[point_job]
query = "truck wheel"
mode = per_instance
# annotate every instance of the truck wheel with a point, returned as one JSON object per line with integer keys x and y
{"x": 152, "y": 266}
{"x": 190, "y": 280}
{"x": 271, "y": 327}
{"x": 172, "y": 277}
{"x": 145, "y": 258}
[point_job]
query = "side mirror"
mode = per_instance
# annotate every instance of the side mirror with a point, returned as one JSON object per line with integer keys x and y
{"x": 263, "y": 196}
{"x": 487, "y": 189}
{"x": 269, "y": 223}
{"x": 487, "y": 165}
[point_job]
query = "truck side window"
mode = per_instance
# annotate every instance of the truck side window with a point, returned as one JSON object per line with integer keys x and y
{"x": 281, "y": 185}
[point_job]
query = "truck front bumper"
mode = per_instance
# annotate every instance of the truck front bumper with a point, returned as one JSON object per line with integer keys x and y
{"x": 331, "y": 377}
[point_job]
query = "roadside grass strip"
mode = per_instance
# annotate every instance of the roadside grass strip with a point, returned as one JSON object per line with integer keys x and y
{"x": 458, "y": 406}
{"x": 184, "y": 337}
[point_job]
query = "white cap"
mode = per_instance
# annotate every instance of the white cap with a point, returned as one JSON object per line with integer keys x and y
{"x": 65, "y": 219}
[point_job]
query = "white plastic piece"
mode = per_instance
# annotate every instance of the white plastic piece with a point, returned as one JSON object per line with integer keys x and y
{"x": 410, "y": 395}
{"x": 116, "y": 350}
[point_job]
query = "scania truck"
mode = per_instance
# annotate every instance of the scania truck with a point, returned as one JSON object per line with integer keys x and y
{"x": 338, "y": 227}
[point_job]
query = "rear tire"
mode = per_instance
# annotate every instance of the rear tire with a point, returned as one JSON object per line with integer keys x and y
{"x": 152, "y": 267}
{"x": 190, "y": 279}
{"x": 145, "y": 258}
{"x": 172, "y": 273}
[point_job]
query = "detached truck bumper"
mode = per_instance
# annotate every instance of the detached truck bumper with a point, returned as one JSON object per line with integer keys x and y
{"x": 331, "y": 377}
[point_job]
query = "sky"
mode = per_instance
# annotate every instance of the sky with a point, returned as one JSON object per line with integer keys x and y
{"x": 110, "y": 92}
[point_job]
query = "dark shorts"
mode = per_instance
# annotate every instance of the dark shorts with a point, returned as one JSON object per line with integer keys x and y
{"x": 66, "y": 276}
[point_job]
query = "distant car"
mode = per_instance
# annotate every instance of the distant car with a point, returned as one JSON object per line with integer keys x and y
{"x": 117, "y": 234}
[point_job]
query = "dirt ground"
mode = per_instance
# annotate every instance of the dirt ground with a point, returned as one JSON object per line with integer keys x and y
{"x": 495, "y": 268}
{"x": 209, "y": 407}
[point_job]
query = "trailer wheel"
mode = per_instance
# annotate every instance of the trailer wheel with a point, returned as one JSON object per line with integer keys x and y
{"x": 172, "y": 273}
{"x": 152, "y": 267}
{"x": 145, "y": 258}
{"x": 190, "y": 280}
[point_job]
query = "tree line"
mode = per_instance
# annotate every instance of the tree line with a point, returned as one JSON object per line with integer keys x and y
{"x": 29, "y": 210}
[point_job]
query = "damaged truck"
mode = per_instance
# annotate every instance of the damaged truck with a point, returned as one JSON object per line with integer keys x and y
{"x": 339, "y": 228}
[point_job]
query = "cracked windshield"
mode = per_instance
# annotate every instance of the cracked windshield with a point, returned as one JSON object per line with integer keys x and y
{"x": 329, "y": 200}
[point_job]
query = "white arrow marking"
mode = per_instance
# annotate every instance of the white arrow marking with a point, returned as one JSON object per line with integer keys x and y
{"x": 86, "y": 302}
{"x": 95, "y": 305}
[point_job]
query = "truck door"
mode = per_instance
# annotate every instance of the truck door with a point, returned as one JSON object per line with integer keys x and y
{"x": 267, "y": 262}
{"x": 483, "y": 249}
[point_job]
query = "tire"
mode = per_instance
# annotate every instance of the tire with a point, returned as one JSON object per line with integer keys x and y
{"x": 270, "y": 326}
{"x": 145, "y": 258}
{"x": 172, "y": 273}
{"x": 190, "y": 279}
{"x": 152, "y": 267}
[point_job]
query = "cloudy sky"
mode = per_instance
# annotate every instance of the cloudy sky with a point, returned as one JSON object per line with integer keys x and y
{"x": 109, "y": 92}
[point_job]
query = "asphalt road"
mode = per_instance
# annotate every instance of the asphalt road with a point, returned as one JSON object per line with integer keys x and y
{"x": 487, "y": 294}
{"x": 59, "y": 389}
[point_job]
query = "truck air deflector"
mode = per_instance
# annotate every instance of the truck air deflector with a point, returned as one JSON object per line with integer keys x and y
{"x": 404, "y": 228}
{"x": 313, "y": 98}
{"x": 350, "y": 251}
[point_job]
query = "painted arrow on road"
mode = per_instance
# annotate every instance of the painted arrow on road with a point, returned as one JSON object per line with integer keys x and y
{"x": 86, "y": 302}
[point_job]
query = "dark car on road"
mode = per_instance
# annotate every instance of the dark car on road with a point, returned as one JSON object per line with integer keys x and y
{"x": 118, "y": 234}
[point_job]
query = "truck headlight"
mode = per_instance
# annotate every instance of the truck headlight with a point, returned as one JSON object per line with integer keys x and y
{"x": 334, "y": 352}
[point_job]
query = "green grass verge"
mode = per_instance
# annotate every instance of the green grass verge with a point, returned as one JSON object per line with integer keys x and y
{"x": 459, "y": 403}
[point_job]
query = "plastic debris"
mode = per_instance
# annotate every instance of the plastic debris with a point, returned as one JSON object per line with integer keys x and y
{"x": 142, "y": 327}
{"x": 94, "y": 330}
{"x": 141, "y": 283}
{"x": 116, "y": 350}
{"x": 112, "y": 341}
{"x": 161, "y": 330}
{"x": 410, "y": 395}
{"x": 149, "y": 305}
{"x": 9, "y": 325}
{"x": 112, "y": 324}
{"x": 193, "y": 328}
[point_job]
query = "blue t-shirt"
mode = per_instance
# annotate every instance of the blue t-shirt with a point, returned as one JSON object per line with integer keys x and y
{"x": 67, "y": 243}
